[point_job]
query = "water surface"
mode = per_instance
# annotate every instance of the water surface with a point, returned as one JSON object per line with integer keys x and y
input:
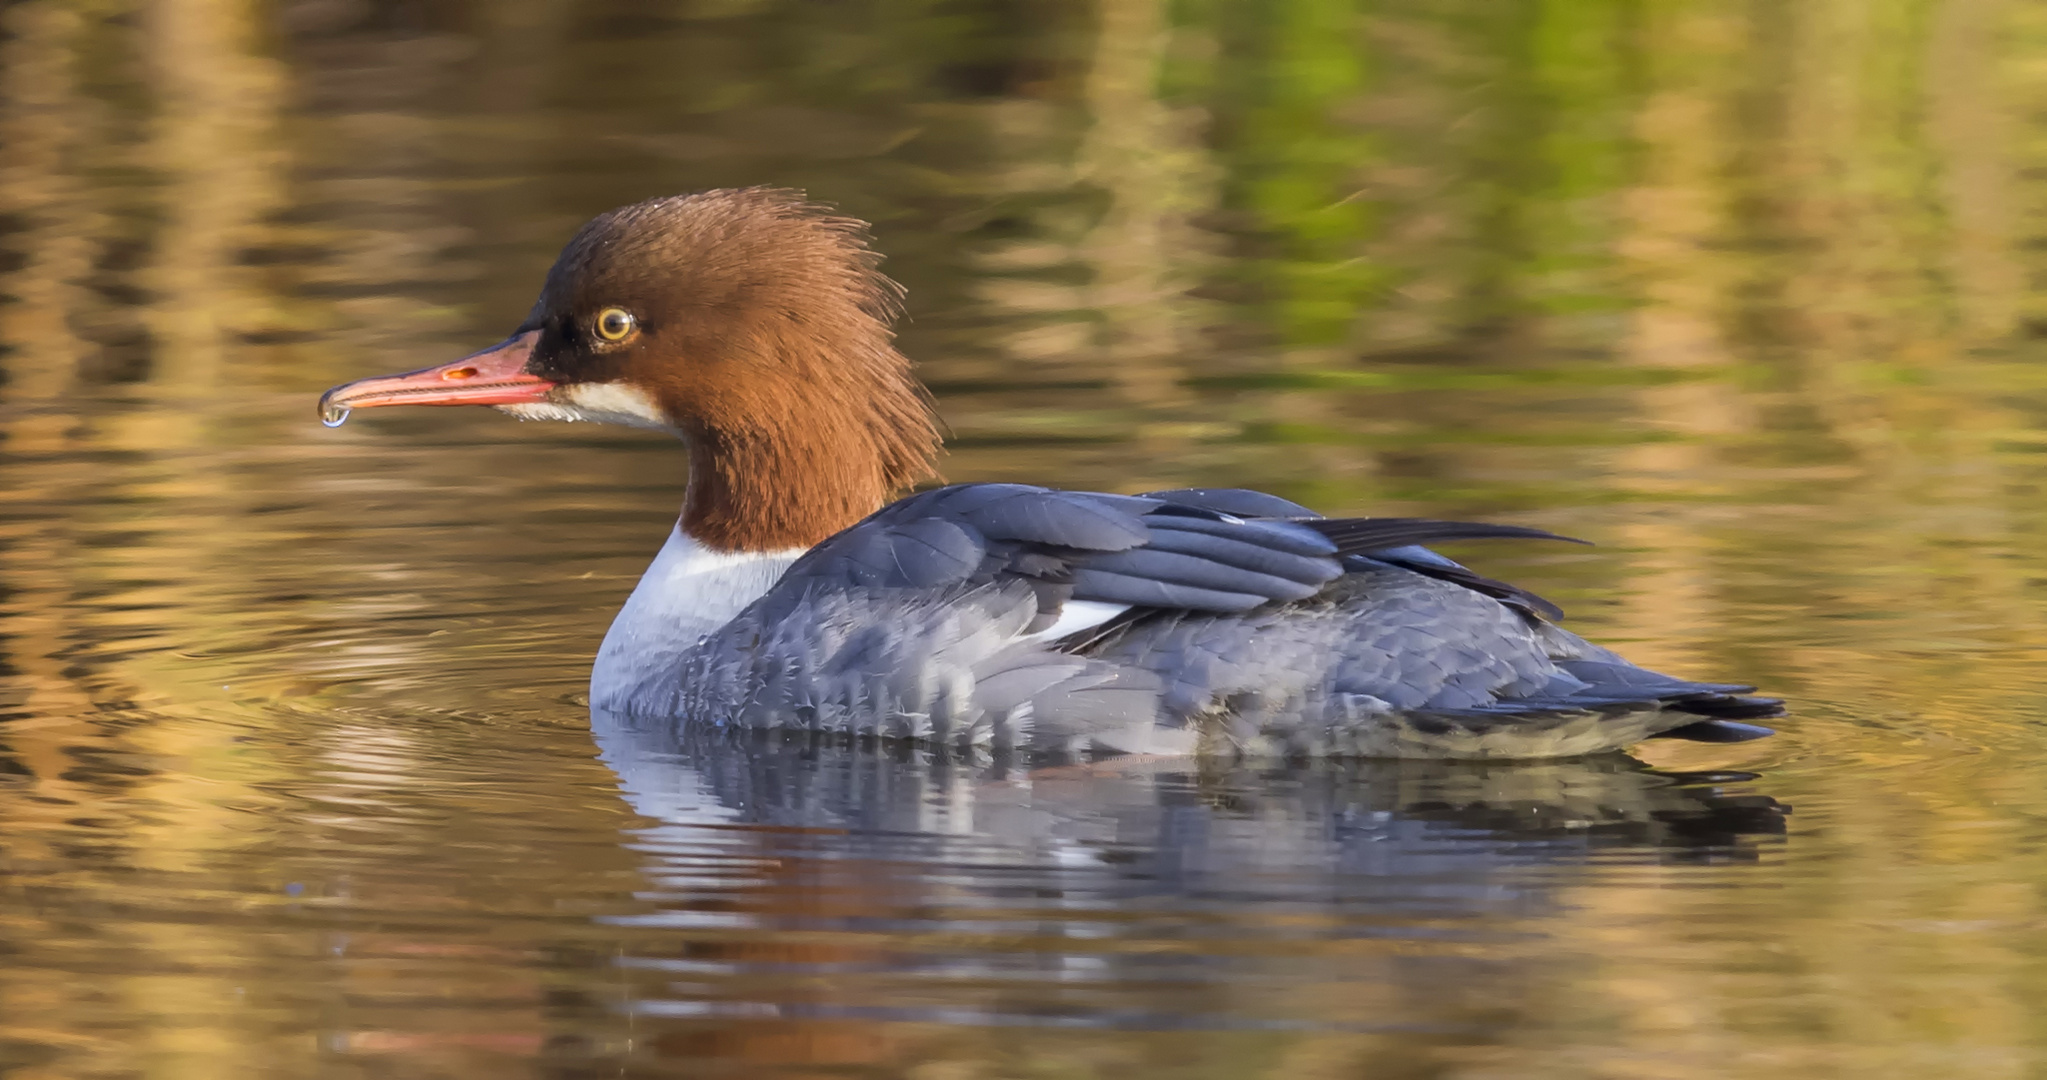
{"x": 296, "y": 776}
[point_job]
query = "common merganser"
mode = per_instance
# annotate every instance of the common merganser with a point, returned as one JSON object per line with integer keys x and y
{"x": 792, "y": 594}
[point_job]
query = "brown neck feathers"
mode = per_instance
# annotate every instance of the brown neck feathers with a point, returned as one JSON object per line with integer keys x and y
{"x": 784, "y": 462}
{"x": 752, "y": 490}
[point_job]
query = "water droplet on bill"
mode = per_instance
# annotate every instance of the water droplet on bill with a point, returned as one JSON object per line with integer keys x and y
{"x": 333, "y": 415}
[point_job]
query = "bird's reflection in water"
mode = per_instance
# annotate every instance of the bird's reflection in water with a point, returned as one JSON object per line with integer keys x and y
{"x": 809, "y": 883}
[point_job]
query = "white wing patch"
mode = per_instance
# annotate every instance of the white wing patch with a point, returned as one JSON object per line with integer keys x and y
{"x": 1076, "y": 616}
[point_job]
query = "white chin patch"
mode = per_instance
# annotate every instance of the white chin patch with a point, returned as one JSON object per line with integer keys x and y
{"x": 596, "y": 403}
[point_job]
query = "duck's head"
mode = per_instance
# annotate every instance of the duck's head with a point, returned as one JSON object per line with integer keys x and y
{"x": 751, "y": 322}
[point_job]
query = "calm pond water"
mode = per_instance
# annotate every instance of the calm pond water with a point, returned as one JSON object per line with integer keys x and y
{"x": 295, "y": 773}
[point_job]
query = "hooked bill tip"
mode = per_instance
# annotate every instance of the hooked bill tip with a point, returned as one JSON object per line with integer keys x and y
{"x": 331, "y": 413}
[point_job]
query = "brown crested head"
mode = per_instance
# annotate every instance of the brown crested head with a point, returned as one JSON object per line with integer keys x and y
{"x": 759, "y": 324}
{"x": 753, "y": 322}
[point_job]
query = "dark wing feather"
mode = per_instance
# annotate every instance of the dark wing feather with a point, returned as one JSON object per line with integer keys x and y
{"x": 1069, "y": 519}
{"x": 1218, "y": 567}
{"x": 1237, "y": 502}
{"x": 1292, "y": 568}
{"x": 1282, "y": 537}
{"x": 1360, "y": 536}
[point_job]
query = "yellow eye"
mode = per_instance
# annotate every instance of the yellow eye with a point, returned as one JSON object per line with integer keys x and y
{"x": 616, "y": 324}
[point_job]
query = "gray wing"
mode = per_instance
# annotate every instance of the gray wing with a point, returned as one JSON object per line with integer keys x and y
{"x": 926, "y": 619}
{"x": 1216, "y": 550}
{"x": 1070, "y": 545}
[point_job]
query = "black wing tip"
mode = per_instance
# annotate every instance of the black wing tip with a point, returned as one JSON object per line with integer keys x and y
{"x": 1718, "y": 731}
{"x": 1353, "y": 533}
{"x": 1535, "y": 607}
{"x": 1520, "y": 532}
{"x": 1732, "y": 707}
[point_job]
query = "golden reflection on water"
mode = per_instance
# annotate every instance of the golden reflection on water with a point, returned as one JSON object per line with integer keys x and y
{"x": 294, "y": 778}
